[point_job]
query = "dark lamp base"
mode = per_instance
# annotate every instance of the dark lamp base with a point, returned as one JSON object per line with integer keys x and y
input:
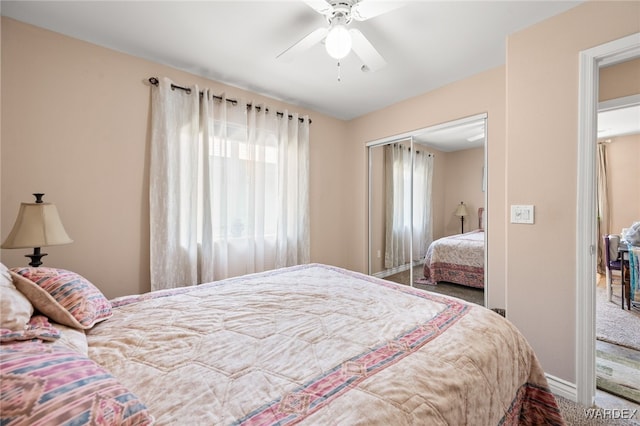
{"x": 35, "y": 257}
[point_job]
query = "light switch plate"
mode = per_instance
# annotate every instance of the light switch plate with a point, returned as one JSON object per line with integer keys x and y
{"x": 522, "y": 214}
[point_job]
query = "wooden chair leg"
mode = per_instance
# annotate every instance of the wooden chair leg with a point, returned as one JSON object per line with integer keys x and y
{"x": 626, "y": 287}
{"x": 627, "y": 293}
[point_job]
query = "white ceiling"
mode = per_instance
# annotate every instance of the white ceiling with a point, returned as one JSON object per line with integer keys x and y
{"x": 619, "y": 122}
{"x": 427, "y": 44}
{"x": 454, "y": 138}
{"x": 617, "y": 117}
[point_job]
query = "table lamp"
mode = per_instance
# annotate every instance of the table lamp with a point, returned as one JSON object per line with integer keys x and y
{"x": 37, "y": 225}
{"x": 461, "y": 211}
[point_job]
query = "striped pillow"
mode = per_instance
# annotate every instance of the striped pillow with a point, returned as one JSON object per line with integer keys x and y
{"x": 38, "y": 327}
{"x": 63, "y": 296}
{"x": 44, "y": 384}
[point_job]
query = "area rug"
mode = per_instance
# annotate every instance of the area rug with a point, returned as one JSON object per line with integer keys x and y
{"x": 425, "y": 281}
{"x": 614, "y": 324}
{"x": 470, "y": 294}
{"x": 617, "y": 371}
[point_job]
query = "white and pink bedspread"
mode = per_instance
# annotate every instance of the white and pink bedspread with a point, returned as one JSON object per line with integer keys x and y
{"x": 456, "y": 259}
{"x": 320, "y": 345}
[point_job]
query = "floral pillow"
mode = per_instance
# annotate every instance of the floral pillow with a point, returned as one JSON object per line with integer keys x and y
{"x": 5, "y": 276}
{"x": 15, "y": 308}
{"x": 63, "y": 296}
{"x": 44, "y": 384}
{"x": 37, "y": 328}
{"x": 72, "y": 338}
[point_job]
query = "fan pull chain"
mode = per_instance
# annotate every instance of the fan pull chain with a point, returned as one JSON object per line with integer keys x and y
{"x": 339, "y": 77}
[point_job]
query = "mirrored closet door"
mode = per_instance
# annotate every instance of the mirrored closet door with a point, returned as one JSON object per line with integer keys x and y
{"x": 414, "y": 180}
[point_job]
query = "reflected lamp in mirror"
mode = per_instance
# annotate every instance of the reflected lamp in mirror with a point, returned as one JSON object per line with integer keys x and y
{"x": 37, "y": 225}
{"x": 461, "y": 212}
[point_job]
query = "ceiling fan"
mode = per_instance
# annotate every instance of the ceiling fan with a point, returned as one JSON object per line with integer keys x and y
{"x": 339, "y": 40}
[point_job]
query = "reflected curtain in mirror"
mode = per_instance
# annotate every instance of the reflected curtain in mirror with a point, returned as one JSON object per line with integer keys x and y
{"x": 422, "y": 190}
{"x": 408, "y": 204}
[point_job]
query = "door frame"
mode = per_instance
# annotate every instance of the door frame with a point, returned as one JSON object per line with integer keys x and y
{"x": 591, "y": 61}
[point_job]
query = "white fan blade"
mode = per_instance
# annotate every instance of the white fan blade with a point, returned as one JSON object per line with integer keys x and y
{"x": 320, "y": 6}
{"x": 304, "y": 44}
{"x": 366, "y": 52}
{"x": 367, "y": 9}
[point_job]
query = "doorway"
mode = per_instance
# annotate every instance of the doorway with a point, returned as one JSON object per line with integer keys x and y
{"x": 591, "y": 61}
{"x": 618, "y": 151}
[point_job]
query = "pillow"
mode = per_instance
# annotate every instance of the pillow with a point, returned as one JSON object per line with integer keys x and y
{"x": 632, "y": 234}
{"x": 38, "y": 328}
{"x": 72, "y": 338}
{"x": 44, "y": 384}
{"x": 15, "y": 308}
{"x": 63, "y": 296}
{"x": 5, "y": 276}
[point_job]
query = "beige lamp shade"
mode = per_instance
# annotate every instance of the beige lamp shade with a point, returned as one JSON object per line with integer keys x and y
{"x": 461, "y": 210}
{"x": 37, "y": 225}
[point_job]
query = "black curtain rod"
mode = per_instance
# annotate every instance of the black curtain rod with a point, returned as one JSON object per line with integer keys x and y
{"x": 409, "y": 149}
{"x": 155, "y": 82}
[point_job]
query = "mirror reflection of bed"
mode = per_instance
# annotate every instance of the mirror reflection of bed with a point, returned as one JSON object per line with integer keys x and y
{"x": 416, "y": 182}
{"x": 456, "y": 263}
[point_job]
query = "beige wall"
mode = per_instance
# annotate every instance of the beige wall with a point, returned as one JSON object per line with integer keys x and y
{"x": 463, "y": 182}
{"x": 623, "y": 153}
{"x": 76, "y": 126}
{"x": 1, "y": 130}
{"x": 482, "y": 93}
{"x": 623, "y": 158}
{"x": 619, "y": 80}
{"x": 541, "y": 169}
{"x": 76, "y": 119}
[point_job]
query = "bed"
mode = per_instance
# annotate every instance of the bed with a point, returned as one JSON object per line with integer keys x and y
{"x": 311, "y": 344}
{"x": 457, "y": 259}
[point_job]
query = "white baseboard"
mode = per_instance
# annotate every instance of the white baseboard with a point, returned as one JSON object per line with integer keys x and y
{"x": 562, "y": 387}
{"x": 397, "y": 269}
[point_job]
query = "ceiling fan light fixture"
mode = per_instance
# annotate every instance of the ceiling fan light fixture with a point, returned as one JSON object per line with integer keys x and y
{"x": 338, "y": 41}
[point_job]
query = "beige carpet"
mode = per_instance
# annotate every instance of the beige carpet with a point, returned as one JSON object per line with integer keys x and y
{"x": 579, "y": 415}
{"x": 614, "y": 324}
{"x": 470, "y": 294}
{"x": 618, "y": 346}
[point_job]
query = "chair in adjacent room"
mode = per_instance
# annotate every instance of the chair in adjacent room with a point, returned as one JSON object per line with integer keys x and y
{"x": 614, "y": 262}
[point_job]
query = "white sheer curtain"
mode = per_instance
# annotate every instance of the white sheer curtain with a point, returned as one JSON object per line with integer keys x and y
{"x": 402, "y": 229}
{"x": 228, "y": 188}
{"x": 422, "y": 190}
{"x": 602, "y": 195}
{"x": 397, "y": 160}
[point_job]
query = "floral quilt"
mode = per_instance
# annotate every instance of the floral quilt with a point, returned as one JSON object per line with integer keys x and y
{"x": 456, "y": 259}
{"x": 315, "y": 344}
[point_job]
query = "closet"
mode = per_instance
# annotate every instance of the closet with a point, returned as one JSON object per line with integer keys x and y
{"x": 407, "y": 206}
